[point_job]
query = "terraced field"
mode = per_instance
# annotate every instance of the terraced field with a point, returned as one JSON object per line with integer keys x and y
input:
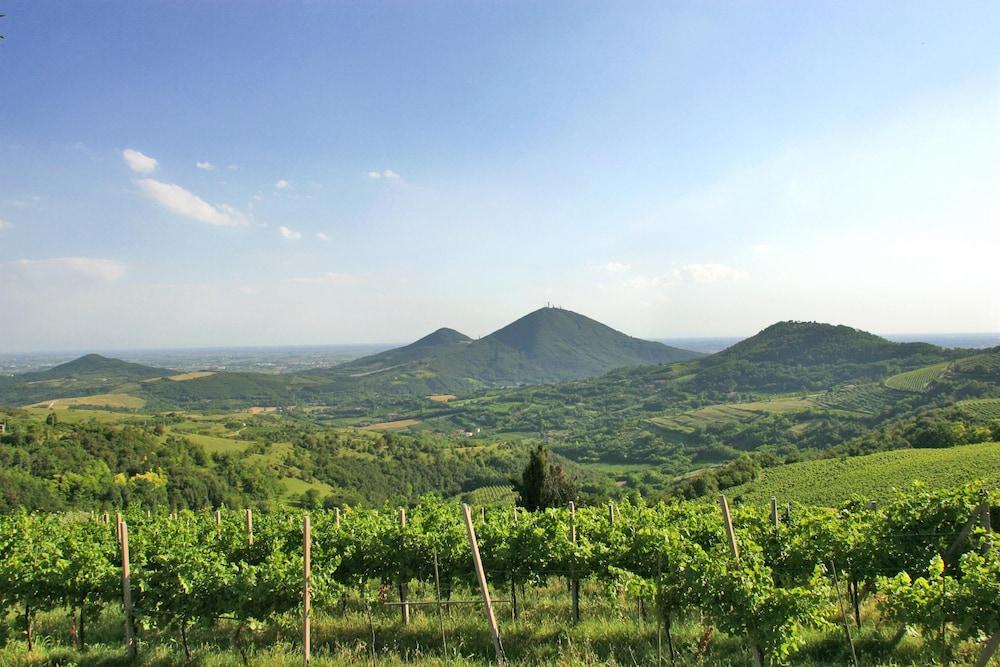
{"x": 876, "y": 476}
{"x": 491, "y": 496}
{"x": 918, "y": 380}
{"x": 869, "y": 399}
{"x": 987, "y": 408}
{"x": 687, "y": 422}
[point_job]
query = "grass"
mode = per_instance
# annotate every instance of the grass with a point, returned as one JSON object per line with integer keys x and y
{"x": 125, "y": 401}
{"x": 687, "y": 422}
{"x": 918, "y": 380}
{"x": 296, "y": 487}
{"x": 214, "y": 444}
{"x": 613, "y": 631}
{"x": 875, "y": 476}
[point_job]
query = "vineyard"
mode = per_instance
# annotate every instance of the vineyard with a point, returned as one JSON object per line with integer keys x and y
{"x": 869, "y": 399}
{"x": 707, "y": 589}
{"x": 918, "y": 380}
{"x": 985, "y": 408}
{"x": 879, "y": 476}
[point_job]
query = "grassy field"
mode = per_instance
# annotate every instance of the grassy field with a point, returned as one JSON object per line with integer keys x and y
{"x": 918, "y": 380}
{"x": 213, "y": 443}
{"x": 78, "y": 416}
{"x": 832, "y": 481}
{"x": 442, "y": 398}
{"x": 687, "y": 422}
{"x": 97, "y": 400}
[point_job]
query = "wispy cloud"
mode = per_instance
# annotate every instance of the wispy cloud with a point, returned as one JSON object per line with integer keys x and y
{"x": 385, "y": 173}
{"x": 205, "y": 166}
{"x": 4, "y": 225}
{"x": 139, "y": 162}
{"x": 330, "y": 278}
{"x": 617, "y": 267}
{"x": 185, "y": 203}
{"x": 289, "y": 234}
{"x": 688, "y": 274}
{"x": 92, "y": 267}
{"x": 281, "y": 184}
{"x": 323, "y": 236}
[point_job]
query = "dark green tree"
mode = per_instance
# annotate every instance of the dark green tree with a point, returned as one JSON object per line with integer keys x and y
{"x": 544, "y": 483}
{"x": 52, "y": 419}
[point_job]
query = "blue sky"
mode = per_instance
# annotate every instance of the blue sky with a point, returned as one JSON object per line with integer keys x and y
{"x": 221, "y": 173}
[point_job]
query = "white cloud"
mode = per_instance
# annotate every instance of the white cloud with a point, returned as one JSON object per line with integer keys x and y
{"x": 206, "y": 166}
{"x": 617, "y": 267}
{"x": 322, "y": 236}
{"x": 92, "y": 267}
{"x": 138, "y": 162}
{"x": 289, "y": 234}
{"x": 232, "y": 167}
{"x": 281, "y": 184}
{"x": 706, "y": 274}
{"x": 385, "y": 173}
{"x": 329, "y": 278}
{"x": 184, "y": 203}
{"x": 5, "y": 225}
{"x": 697, "y": 274}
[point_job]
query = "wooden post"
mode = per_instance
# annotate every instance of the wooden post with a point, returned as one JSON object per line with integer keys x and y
{"x": 127, "y": 594}
{"x": 306, "y": 588}
{"x": 611, "y": 512}
{"x": 218, "y": 517}
{"x": 336, "y": 517}
{"x": 105, "y": 518}
{"x": 405, "y": 607}
{"x": 249, "y": 526}
{"x": 727, "y": 518}
{"x": 477, "y": 561}
{"x": 774, "y": 512}
{"x": 118, "y": 527}
{"x": 574, "y": 583}
{"x": 734, "y": 549}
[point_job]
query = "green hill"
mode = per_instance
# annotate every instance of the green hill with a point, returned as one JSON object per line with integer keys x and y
{"x": 875, "y": 476}
{"x": 90, "y": 374}
{"x": 432, "y": 345}
{"x": 552, "y": 345}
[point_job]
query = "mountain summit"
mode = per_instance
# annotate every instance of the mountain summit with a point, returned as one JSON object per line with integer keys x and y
{"x": 551, "y": 345}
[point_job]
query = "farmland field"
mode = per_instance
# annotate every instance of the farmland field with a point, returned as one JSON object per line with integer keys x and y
{"x": 687, "y": 422}
{"x": 919, "y": 379}
{"x": 442, "y": 398}
{"x": 193, "y": 375}
{"x": 213, "y": 444}
{"x": 832, "y": 481}
{"x": 867, "y": 399}
{"x": 987, "y": 408}
{"x": 97, "y": 400}
{"x": 391, "y": 425}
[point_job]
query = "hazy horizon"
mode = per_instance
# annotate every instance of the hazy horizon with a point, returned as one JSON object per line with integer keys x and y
{"x": 179, "y": 174}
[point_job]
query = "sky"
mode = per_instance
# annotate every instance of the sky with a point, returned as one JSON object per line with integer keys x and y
{"x": 225, "y": 173}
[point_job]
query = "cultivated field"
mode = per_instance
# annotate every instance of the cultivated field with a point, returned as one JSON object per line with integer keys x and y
{"x": 918, "y": 380}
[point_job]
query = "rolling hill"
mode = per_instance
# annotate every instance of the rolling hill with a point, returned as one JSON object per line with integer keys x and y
{"x": 89, "y": 374}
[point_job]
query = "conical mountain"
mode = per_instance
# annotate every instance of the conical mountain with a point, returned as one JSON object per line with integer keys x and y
{"x": 433, "y": 344}
{"x": 551, "y": 345}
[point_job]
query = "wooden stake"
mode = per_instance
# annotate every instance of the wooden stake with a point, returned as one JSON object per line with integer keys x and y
{"x": 118, "y": 527}
{"x": 405, "y": 607}
{"x": 249, "y": 526}
{"x": 774, "y": 512}
{"x": 611, "y": 512}
{"x": 218, "y": 517}
{"x": 306, "y": 588}
{"x": 127, "y": 594}
{"x": 734, "y": 548}
{"x": 336, "y": 517}
{"x": 481, "y": 575}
